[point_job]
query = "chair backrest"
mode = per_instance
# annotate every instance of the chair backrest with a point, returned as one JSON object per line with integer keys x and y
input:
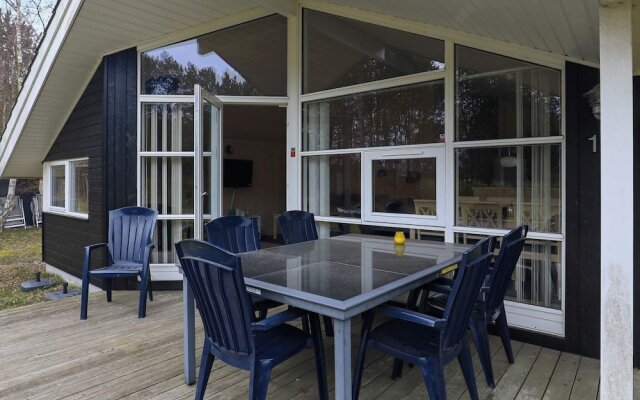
{"x": 233, "y": 233}
{"x": 297, "y": 226}
{"x": 464, "y": 292}
{"x": 215, "y": 276}
{"x": 130, "y": 230}
{"x": 500, "y": 273}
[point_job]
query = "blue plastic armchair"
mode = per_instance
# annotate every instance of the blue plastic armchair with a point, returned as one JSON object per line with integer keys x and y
{"x": 427, "y": 341}
{"x": 231, "y": 332}
{"x": 490, "y": 305}
{"x": 129, "y": 245}
{"x": 237, "y": 234}
{"x": 297, "y": 226}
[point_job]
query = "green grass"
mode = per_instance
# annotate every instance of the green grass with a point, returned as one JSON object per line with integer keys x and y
{"x": 20, "y": 259}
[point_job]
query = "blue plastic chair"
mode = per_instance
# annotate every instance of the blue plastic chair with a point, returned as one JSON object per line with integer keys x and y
{"x": 129, "y": 244}
{"x": 233, "y": 233}
{"x": 428, "y": 341}
{"x": 490, "y": 305}
{"x": 297, "y": 226}
{"x": 237, "y": 234}
{"x": 231, "y": 332}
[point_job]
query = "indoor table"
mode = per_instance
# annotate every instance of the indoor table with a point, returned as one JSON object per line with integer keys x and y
{"x": 339, "y": 277}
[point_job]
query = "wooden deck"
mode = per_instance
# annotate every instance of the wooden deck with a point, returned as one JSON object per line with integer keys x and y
{"x": 46, "y": 352}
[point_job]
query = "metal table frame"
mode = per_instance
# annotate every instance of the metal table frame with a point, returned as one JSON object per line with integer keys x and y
{"x": 340, "y": 311}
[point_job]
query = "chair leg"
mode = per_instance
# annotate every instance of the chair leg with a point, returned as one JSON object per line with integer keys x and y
{"x": 142, "y": 307}
{"x": 262, "y": 313}
{"x": 318, "y": 347}
{"x": 503, "y": 331}
{"x": 205, "y": 370}
{"x": 85, "y": 296}
{"x": 433, "y": 376}
{"x": 305, "y": 324}
{"x": 259, "y": 380}
{"x": 328, "y": 326}
{"x": 412, "y": 300}
{"x": 466, "y": 364}
{"x": 397, "y": 369}
{"x": 481, "y": 339}
{"x": 150, "y": 288}
{"x": 359, "y": 367}
{"x": 108, "y": 282}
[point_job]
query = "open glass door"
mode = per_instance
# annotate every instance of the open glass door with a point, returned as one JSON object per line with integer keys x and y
{"x": 180, "y": 170}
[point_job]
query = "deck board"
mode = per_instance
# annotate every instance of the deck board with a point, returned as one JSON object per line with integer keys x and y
{"x": 48, "y": 353}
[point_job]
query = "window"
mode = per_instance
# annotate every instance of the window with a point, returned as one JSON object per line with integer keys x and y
{"x": 339, "y": 52}
{"x": 249, "y": 59}
{"x": 66, "y": 187}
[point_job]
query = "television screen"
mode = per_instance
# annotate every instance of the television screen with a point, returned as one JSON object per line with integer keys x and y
{"x": 237, "y": 173}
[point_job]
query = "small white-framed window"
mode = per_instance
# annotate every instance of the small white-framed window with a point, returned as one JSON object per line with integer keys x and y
{"x": 66, "y": 187}
{"x": 405, "y": 186}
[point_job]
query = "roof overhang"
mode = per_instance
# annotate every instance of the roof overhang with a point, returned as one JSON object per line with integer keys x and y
{"x": 83, "y": 31}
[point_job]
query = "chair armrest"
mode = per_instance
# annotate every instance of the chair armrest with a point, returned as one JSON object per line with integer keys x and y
{"x": 411, "y": 316}
{"x": 87, "y": 254}
{"x": 278, "y": 319}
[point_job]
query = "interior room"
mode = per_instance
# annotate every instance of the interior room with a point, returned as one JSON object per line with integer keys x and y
{"x": 254, "y": 176}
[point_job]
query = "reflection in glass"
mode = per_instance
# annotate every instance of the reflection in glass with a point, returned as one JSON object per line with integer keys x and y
{"x": 537, "y": 278}
{"x": 168, "y": 233}
{"x": 499, "y": 97}
{"x": 79, "y": 190}
{"x": 491, "y": 193}
{"x": 167, "y": 184}
{"x": 405, "y": 186}
{"x": 57, "y": 185}
{"x": 392, "y": 117}
{"x": 341, "y": 52}
{"x": 332, "y": 185}
{"x": 167, "y": 127}
{"x": 341, "y": 228}
{"x": 243, "y": 60}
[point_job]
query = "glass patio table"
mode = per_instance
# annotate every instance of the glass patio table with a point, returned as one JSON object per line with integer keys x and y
{"x": 339, "y": 277}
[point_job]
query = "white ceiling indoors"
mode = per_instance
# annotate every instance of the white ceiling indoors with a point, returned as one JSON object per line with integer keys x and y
{"x": 563, "y": 27}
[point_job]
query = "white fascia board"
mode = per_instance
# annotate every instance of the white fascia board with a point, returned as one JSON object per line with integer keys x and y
{"x": 54, "y": 39}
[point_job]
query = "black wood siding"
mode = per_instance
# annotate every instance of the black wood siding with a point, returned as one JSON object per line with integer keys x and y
{"x": 64, "y": 238}
{"x": 120, "y": 129}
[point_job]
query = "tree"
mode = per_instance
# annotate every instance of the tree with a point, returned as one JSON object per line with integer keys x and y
{"x": 20, "y": 23}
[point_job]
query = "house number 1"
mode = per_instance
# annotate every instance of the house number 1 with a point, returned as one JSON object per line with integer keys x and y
{"x": 594, "y": 142}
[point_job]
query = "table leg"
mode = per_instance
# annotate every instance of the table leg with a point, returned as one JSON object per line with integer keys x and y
{"x": 342, "y": 348}
{"x": 189, "y": 333}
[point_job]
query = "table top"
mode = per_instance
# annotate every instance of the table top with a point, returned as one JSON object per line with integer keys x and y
{"x": 348, "y": 273}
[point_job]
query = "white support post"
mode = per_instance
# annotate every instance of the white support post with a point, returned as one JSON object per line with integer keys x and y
{"x": 293, "y": 113}
{"x": 616, "y": 302}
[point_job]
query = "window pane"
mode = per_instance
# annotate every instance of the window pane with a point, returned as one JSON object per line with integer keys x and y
{"x": 341, "y": 52}
{"x": 405, "y": 186}
{"x": 79, "y": 181}
{"x": 391, "y": 117}
{"x": 537, "y": 278}
{"x": 57, "y": 185}
{"x": 168, "y": 127}
{"x": 168, "y": 233}
{"x": 167, "y": 184}
{"x": 499, "y": 97}
{"x": 503, "y": 187}
{"x": 245, "y": 60}
{"x": 331, "y": 185}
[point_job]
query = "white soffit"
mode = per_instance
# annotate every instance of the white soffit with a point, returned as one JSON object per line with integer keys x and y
{"x": 563, "y": 27}
{"x": 64, "y": 65}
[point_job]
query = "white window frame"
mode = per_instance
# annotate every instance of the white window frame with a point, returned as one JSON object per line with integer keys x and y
{"x": 46, "y": 173}
{"x": 368, "y": 175}
{"x": 522, "y": 315}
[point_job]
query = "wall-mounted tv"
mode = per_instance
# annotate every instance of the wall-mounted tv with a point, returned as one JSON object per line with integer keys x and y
{"x": 237, "y": 173}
